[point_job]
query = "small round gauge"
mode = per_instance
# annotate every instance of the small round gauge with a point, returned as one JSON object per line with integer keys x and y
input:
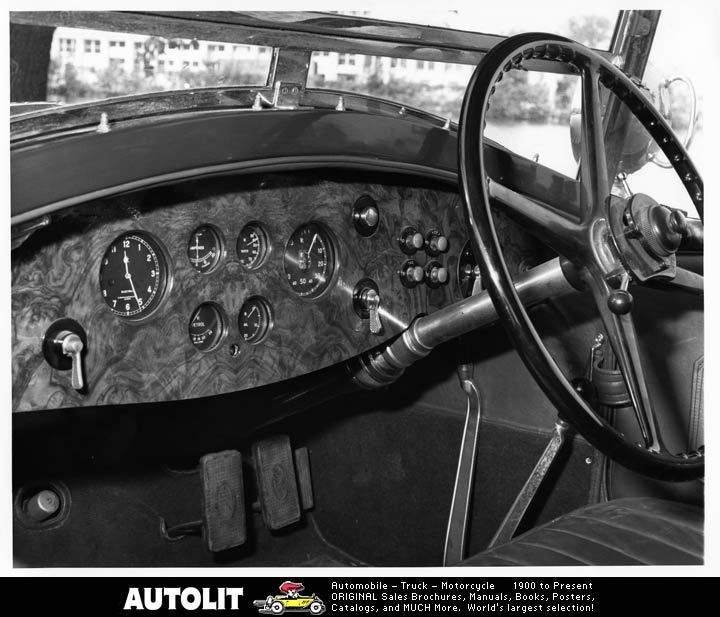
{"x": 309, "y": 260}
{"x": 205, "y": 249}
{"x": 255, "y": 320}
{"x": 133, "y": 275}
{"x": 207, "y": 326}
{"x": 468, "y": 270}
{"x": 252, "y": 246}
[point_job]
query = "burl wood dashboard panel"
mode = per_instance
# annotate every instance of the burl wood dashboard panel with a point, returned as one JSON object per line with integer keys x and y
{"x": 55, "y": 275}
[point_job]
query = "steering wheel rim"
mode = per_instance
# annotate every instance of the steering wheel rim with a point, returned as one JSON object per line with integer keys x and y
{"x": 595, "y": 229}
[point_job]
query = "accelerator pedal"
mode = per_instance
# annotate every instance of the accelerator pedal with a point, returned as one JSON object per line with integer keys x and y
{"x": 277, "y": 483}
{"x": 223, "y": 500}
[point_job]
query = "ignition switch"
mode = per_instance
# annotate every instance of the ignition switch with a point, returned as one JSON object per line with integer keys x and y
{"x": 63, "y": 346}
{"x": 366, "y": 302}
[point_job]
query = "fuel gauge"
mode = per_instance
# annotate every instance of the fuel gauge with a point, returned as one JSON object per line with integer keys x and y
{"x": 207, "y": 326}
{"x": 255, "y": 320}
{"x": 253, "y": 246}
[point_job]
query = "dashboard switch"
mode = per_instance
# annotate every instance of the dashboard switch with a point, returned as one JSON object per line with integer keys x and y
{"x": 436, "y": 274}
{"x": 411, "y": 241}
{"x": 63, "y": 347}
{"x": 72, "y": 347}
{"x": 411, "y": 273}
{"x": 436, "y": 243}
{"x": 366, "y": 301}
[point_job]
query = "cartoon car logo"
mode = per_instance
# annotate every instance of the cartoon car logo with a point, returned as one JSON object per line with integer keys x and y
{"x": 290, "y": 600}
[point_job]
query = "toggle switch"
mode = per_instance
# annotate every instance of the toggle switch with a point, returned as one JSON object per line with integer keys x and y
{"x": 366, "y": 302}
{"x": 63, "y": 347}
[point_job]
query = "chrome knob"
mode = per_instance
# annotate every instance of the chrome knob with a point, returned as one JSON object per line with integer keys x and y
{"x": 42, "y": 506}
{"x": 411, "y": 240}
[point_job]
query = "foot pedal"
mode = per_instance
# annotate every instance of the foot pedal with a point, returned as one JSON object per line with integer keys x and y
{"x": 223, "y": 500}
{"x": 304, "y": 479}
{"x": 277, "y": 485}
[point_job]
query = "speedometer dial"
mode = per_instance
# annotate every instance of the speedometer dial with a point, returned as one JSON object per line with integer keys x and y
{"x": 309, "y": 260}
{"x": 133, "y": 275}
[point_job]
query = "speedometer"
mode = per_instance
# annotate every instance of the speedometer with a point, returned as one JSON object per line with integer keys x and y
{"x": 133, "y": 275}
{"x": 309, "y": 260}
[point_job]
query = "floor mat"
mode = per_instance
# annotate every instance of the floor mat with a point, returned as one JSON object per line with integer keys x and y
{"x": 384, "y": 480}
{"x": 115, "y": 520}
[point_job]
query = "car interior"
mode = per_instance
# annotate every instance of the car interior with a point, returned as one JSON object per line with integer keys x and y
{"x": 283, "y": 324}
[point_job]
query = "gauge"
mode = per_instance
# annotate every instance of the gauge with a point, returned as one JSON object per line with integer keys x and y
{"x": 205, "y": 249}
{"x": 252, "y": 246}
{"x": 255, "y": 320}
{"x": 309, "y": 260}
{"x": 468, "y": 271}
{"x": 133, "y": 275}
{"x": 207, "y": 326}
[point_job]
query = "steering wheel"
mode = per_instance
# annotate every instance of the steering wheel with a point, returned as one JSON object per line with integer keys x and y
{"x": 610, "y": 243}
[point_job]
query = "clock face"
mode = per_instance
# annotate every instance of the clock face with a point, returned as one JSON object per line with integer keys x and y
{"x": 133, "y": 275}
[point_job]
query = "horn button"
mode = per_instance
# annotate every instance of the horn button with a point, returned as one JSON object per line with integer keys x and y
{"x": 647, "y": 235}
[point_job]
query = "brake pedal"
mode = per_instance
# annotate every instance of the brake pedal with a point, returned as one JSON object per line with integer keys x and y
{"x": 223, "y": 500}
{"x": 277, "y": 484}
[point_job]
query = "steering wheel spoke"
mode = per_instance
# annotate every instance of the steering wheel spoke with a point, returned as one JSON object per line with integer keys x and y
{"x": 593, "y": 159}
{"x": 621, "y": 333}
{"x": 556, "y": 229}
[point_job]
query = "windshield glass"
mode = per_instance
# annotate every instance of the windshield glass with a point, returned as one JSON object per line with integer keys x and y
{"x": 87, "y": 65}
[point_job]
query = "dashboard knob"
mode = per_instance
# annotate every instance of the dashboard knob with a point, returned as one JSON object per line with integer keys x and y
{"x": 411, "y": 240}
{"x": 366, "y": 215}
{"x": 436, "y": 274}
{"x": 411, "y": 273}
{"x": 42, "y": 506}
{"x": 436, "y": 243}
{"x": 415, "y": 274}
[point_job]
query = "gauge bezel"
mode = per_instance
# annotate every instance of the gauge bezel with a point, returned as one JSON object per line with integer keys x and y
{"x": 265, "y": 240}
{"x": 167, "y": 267}
{"x": 269, "y": 318}
{"x": 222, "y": 252}
{"x": 333, "y": 249}
{"x": 224, "y": 331}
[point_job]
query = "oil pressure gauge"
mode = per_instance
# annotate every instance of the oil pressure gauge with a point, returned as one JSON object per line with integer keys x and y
{"x": 255, "y": 320}
{"x": 207, "y": 326}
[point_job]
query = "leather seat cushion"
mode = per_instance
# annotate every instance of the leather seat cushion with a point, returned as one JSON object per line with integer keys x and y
{"x": 632, "y": 531}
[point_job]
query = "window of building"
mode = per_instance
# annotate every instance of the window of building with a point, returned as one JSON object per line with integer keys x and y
{"x": 92, "y": 46}
{"x": 431, "y": 66}
{"x": 421, "y": 65}
{"x": 221, "y": 47}
{"x": 393, "y": 63}
{"x": 342, "y": 58}
{"x": 67, "y": 45}
{"x": 161, "y": 66}
{"x": 117, "y": 43}
{"x": 351, "y": 59}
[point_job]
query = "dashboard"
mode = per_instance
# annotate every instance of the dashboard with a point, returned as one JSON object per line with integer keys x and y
{"x": 223, "y": 284}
